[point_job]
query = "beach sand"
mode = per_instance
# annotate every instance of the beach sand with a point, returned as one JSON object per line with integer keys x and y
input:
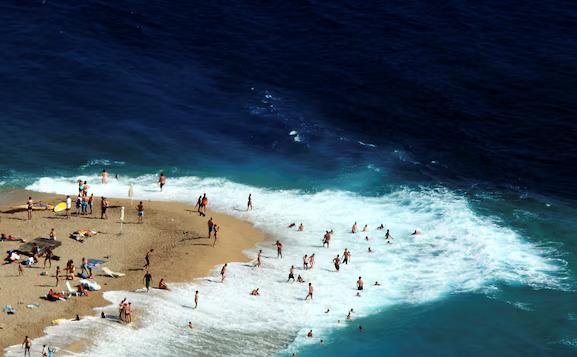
{"x": 178, "y": 235}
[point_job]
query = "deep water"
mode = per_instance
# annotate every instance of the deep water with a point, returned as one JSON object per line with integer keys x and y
{"x": 364, "y": 97}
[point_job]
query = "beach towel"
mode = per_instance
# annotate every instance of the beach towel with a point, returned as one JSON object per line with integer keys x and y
{"x": 9, "y": 310}
{"x": 42, "y": 244}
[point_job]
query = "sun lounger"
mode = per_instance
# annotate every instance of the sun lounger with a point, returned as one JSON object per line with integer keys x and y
{"x": 111, "y": 273}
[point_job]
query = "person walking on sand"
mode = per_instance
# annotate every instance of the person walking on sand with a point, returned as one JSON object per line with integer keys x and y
{"x": 210, "y": 226}
{"x": 103, "y": 207}
{"x": 204, "y": 202}
{"x": 57, "y": 276}
{"x": 91, "y": 202}
{"x": 310, "y": 292}
{"x": 48, "y": 257}
{"x": 68, "y": 206}
{"x": 161, "y": 180}
{"x": 196, "y": 299}
{"x": 215, "y": 229}
{"x": 278, "y": 249}
{"x": 223, "y": 272}
{"x": 147, "y": 280}
{"x": 20, "y": 270}
{"x": 140, "y": 209}
{"x": 258, "y": 259}
{"x": 147, "y": 259}
{"x": 27, "y": 344}
{"x": 104, "y": 175}
{"x": 29, "y": 206}
{"x": 249, "y": 203}
{"x": 291, "y": 274}
{"x": 337, "y": 262}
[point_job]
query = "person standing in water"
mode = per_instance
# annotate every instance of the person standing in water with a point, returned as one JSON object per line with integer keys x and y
{"x": 354, "y": 229}
{"x": 306, "y": 262}
{"x": 312, "y": 261}
{"x": 140, "y": 210}
{"x": 310, "y": 292}
{"x": 147, "y": 280}
{"x": 204, "y": 202}
{"x": 104, "y": 175}
{"x": 27, "y": 344}
{"x": 291, "y": 274}
{"x": 29, "y": 206}
{"x": 346, "y": 256}
{"x": 196, "y": 299}
{"x": 258, "y": 257}
{"x": 161, "y": 180}
{"x": 337, "y": 262}
{"x": 360, "y": 283}
{"x": 249, "y": 203}
{"x": 223, "y": 272}
{"x": 278, "y": 249}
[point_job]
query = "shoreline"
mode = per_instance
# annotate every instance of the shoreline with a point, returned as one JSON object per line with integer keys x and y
{"x": 182, "y": 253}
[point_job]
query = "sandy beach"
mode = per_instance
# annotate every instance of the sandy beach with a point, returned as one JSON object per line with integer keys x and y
{"x": 178, "y": 235}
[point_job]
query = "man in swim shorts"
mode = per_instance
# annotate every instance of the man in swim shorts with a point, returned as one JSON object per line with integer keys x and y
{"x": 291, "y": 274}
{"x": 161, "y": 180}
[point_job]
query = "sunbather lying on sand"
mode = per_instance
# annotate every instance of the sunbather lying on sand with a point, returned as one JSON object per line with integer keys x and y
{"x": 10, "y": 238}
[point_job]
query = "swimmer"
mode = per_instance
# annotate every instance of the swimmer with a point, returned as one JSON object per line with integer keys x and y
{"x": 310, "y": 334}
{"x": 360, "y": 284}
{"x": 349, "y": 317}
{"x": 190, "y": 325}
{"x": 381, "y": 227}
{"x": 291, "y": 274}
{"x": 377, "y": 283}
{"x": 354, "y": 229}
{"x": 301, "y": 227}
{"x": 310, "y": 292}
{"x": 416, "y": 232}
{"x": 370, "y": 251}
{"x": 328, "y": 310}
{"x": 388, "y": 237}
{"x": 300, "y": 279}
{"x": 255, "y": 292}
{"x": 292, "y": 225}
{"x": 365, "y": 227}
{"x": 360, "y": 328}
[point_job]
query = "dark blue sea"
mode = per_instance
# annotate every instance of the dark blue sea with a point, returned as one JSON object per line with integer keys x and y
{"x": 437, "y": 107}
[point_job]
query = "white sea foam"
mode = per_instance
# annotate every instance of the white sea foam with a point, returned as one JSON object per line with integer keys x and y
{"x": 459, "y": 251}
